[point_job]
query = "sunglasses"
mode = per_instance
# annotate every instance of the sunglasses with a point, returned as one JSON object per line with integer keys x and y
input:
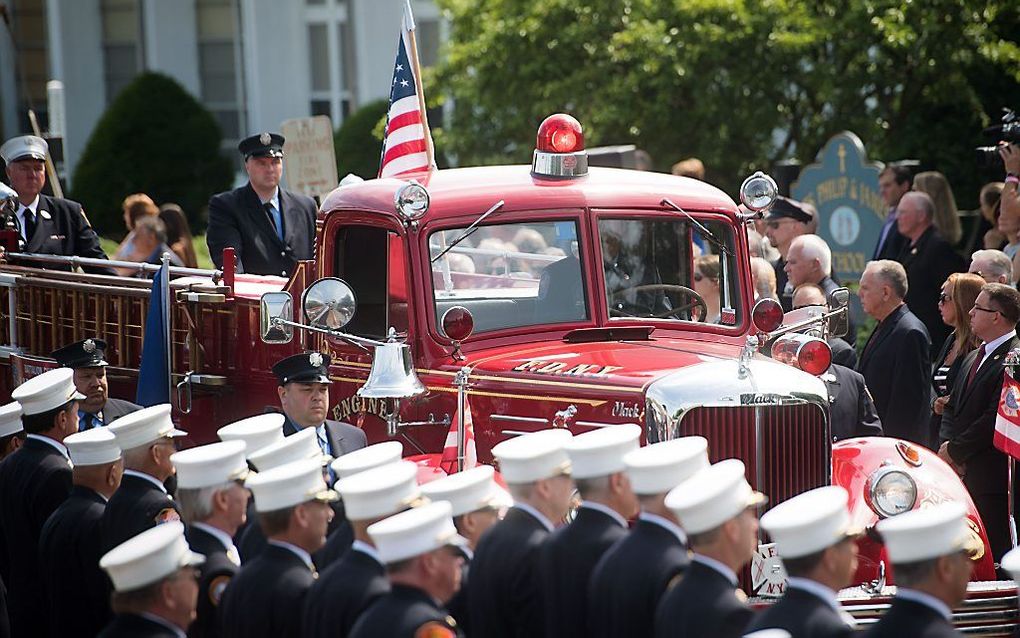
{"x": 944, "y": 298}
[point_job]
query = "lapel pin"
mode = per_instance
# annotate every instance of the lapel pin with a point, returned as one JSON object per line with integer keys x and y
{"x": 44, "y": 214}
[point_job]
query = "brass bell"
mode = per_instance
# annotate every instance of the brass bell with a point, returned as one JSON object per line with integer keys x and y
{"x": 392, "y": 375}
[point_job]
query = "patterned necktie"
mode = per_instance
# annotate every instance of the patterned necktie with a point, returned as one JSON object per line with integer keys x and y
{"x": 276, "y": 218}
{"x": 29, "y": 224}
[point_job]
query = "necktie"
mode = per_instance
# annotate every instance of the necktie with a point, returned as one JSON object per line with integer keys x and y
{"x": 29, "y": 224}
{"x": 275, "y": 216}
{"x": 320, "y": 433}
{"x": 976, "y": 365}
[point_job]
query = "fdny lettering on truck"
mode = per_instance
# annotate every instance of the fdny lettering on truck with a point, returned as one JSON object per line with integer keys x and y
{"x": 559, "y": 368}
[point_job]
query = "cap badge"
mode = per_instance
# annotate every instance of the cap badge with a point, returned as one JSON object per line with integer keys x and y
{"x": 265, "y": 139}
{"x": 89, "y": 346}
{"x": 315, "y": 359}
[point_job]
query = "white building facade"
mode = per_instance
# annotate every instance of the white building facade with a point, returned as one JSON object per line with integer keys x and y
{"x": 252, "y": 63}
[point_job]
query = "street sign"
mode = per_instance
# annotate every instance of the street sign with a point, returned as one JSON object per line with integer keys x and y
{"x": 309, "y": 159}
{"x": 843, "y": 186}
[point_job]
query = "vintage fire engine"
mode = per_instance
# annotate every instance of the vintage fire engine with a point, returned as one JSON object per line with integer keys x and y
{"x": 533, "y": 297}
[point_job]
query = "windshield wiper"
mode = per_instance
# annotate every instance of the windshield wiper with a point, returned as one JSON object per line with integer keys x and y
{"x": 469, "y": 230}
{"x": 704, "y": 231}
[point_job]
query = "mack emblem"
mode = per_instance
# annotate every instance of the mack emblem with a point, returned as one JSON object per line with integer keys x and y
{"x": 760, "y": 398}
{"x": 629, "y": 410}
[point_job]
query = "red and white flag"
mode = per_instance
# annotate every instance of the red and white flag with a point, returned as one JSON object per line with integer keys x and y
{"x": 449, "y": 461}
{"x": 407, "y": 144}
{"x": 1007, "y": 421}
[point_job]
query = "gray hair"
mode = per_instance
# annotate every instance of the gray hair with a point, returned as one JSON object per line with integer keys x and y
{"x": 999, "y": 264}
{"x": 197, "y": 502}
{"x": 892, "y": 274}
{"x": 764, "y": 277}
{"x": 153, "y": 226}
{"x": 814, "y": 247}
{"x": 925, "y": 201}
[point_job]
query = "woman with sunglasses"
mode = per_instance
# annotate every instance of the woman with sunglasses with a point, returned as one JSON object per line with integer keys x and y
{"x": 958, "y": 294}
{"x": 706, "y": 284}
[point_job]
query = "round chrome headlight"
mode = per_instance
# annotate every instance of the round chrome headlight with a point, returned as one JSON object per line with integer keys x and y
{"x": 412, "y": 200}
{"x": 893, "y": 492}
{"x": 758, "y": 192}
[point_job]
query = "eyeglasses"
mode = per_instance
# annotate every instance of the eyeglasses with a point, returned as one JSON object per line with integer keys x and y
{"x": 977, "y": 307}
{"x": 777, "y": 223}
{"x": 698, "y": 276}
{"x": 944, "y": 298}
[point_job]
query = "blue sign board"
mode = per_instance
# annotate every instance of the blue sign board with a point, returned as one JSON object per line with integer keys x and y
{"x": 843, "y": 186}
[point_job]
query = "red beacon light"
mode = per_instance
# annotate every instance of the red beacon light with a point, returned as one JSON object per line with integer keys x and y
{"x": 767, "y": 315}
{"x": 559, "y": 148}
{"x": 810, "y": 354}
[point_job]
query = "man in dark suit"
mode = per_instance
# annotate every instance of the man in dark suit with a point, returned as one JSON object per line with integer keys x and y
{"x": 928, "y": 260}
{"x": 569, "y": 556}
{"x": 816, "y": 543}
{"x": 785, "y": 221}
{"x": 88, "y": 360}
{"x": 893, "y": 182}
{"x": 155, "y": 584}
{"x": 809, "y": 261}
{"x": 12, "y": 436}
{"x": 476, "y": 502}
{"x": 266, "y": 597}
{"x": 969, "y": 415}
{"x": 930, "y": 549}
{"x": 349, "y": 586}
{"x": 34, "y": 481}
{"x": 270, "y": 229}
{"x": 47, "y": 225}
{"x": 632, "y": 576}
{"x": 717, "y": 507}
{"x": 77, "y": 590}
{"x": 896, "y": 362}
{"x": 147, "y": 438}
{"x": 851, "y": 408}
{"x": 505, "y": 594}
{"x": 213, "y": 501}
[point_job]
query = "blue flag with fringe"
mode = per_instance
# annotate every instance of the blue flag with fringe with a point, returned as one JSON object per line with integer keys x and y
{"x": 154, "y": 371}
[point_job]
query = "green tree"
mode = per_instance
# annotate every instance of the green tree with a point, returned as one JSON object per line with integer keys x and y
{"x": 358, "y": 141}
{"x": 738, "y": 83}
{"x": 156, "y": 139}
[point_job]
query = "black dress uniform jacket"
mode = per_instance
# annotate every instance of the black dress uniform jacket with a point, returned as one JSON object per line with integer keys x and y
{"x": 134, "y": 626}
{"x": 568, "y": 559}
{"x": 34, "y": 481}
{"x": 342, "y": 593}
{"x": 458, "y": 605}
{"x": 61, "y": 229}
{"x": 803, "y": 615}
{"x": 629, "y": 580}
{"x": 402, "y": 613}
{"x": 703, "y": 603}
{"x": 505, "y": 588}
{"x": 214, "y": 575}
{"x": 928, "y": 263}
{"x": 70, "y": 546}
{"x": 238, "y": 220}
{"x": 851, "y": 410}
{"x": 136, "y": 506}
{"x": 265, "y": 598}
{"x": 896, "y": 364}
{"x": 910, "y": 619}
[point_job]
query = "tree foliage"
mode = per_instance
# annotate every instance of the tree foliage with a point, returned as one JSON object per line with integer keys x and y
{"x": 738, "y": 83}
{"x": 357, "y": 142}
{"x": 154, "y": 138}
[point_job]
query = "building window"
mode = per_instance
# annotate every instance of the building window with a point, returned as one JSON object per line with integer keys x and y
{"x": 329, "y": 58}
{"x": 122, "y": 50}
{"x": 28, "y": 21}
{"x": 219, "y": 68}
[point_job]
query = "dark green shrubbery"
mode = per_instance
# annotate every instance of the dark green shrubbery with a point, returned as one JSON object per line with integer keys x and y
{"x": 154, "y": 138}
{"x": 358, "y": 141}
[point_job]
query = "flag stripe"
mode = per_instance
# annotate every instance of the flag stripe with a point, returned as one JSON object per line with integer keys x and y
{"x": 1007, "y": 421}
{"x": 412, "y": 133}
{"x": 405, "y": 164}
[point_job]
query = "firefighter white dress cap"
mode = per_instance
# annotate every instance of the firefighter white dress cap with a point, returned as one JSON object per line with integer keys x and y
{"x": 298, "y": 446}
{"x": 145, "y": 426}
{"x": 210, "y": 465}
{"x": 415, "y": 532}
{"x": 1011, "y": 563}
{"x": 257, "y": 432}
{"x": 658, "y": 468}
{"x": 810, "y": 522}
{"x": 22, "y": 147}
{"x": 381, "y": 491}
{"x": 600, "y": 452}
{"x": 10, "y": 419}
{"x": 928, "y": 533}
{"x": 713, "y": 496}
{"x": 469, "y": 491}
{"x": 533, "y": 457}
{"x": 367, "y": 458}
{"x": 97, "y": 446}
{"x": 149, "y": 557}
{"x": 46, "y": 392}
{"x": 289, "y": 485}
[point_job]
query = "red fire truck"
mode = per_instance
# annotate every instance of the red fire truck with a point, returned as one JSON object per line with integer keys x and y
{"x": 550, "y": 295}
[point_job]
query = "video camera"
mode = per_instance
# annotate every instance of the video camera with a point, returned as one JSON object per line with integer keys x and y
{"x": 1008, "y": 131}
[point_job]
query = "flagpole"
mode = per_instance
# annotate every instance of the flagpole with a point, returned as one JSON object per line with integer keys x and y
{"x": 165, "y": 293}
{"x": 1010, "y": 364}
{"x": 416, "y": 70}
{"x": 462, "y": 383}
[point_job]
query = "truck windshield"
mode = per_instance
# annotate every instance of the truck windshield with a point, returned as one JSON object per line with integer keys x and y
{"x": 511, "y": 275}
{"x": 669, "y": 269}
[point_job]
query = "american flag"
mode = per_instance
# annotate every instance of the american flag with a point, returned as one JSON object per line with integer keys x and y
{"x": 449, "y": 461}
{"x": 407, "y": 145}
{"x": 1007, "y": 421}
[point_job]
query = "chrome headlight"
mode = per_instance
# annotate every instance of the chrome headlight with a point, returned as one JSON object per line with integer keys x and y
{"x": 892, "y": 492}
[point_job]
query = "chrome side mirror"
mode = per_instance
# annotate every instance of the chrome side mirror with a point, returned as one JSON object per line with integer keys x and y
{"x": 329, "y": 303}
{"x": 276, "y": 305}
{"x": 839, "y": 322}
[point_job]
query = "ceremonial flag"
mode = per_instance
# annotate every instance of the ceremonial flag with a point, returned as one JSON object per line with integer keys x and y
{"x": 449, "y": 461}
{"x": 1007, "y": 421}
{"x": 154, "y": 371}
{"x": 407, "y": 142}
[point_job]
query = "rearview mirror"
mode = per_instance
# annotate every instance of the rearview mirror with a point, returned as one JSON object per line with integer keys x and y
{"x": 329, "y": 303}
{"x": 839, "y": 323}
{"x": 276, "y": 305}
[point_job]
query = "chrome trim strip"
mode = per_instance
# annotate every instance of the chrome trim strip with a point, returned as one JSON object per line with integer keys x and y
{"x": 520, "y": 419}
{"x": 595, "y": 424}
{"x": 513, "y": 433}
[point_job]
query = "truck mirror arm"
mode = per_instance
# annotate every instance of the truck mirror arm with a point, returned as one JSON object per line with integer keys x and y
{"x": 360, "y": 342}
{"x": 800, "y": 325}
